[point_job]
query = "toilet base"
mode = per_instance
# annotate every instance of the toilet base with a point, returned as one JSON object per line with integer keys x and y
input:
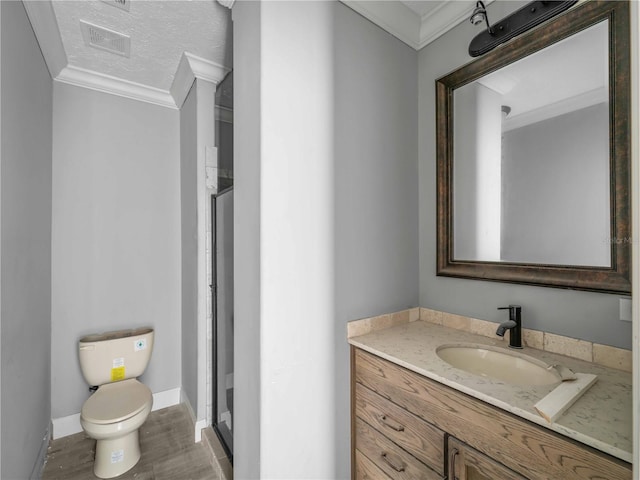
{"x": 115, "y": 456}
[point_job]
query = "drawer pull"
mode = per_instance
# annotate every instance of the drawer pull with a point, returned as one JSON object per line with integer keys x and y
{"x": 386, "y": 457}
{"x": 391, "y": 423}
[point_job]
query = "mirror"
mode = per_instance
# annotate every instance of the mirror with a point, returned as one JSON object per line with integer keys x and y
{"x": 533, "y": 157}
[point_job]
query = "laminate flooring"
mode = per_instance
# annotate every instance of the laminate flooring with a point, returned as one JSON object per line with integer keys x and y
{"x": 167, "y": 447}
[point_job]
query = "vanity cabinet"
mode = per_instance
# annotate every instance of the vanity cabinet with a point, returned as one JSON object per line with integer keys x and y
{"x": 466, "y": 463}
{"x": 407, "y": 426}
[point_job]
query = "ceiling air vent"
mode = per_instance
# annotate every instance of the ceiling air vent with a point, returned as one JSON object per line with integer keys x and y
{"x": 123, "y": 4}
{"x": 105, "y": 39}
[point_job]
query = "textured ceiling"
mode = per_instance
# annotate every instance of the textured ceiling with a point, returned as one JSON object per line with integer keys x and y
{"x": 160, "y": 31}
{"x": 172, "y": 40}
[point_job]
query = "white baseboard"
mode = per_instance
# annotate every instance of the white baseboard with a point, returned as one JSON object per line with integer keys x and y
{"x": 70, "y": 425}
{"x": 198, "y": 425}
{"x": 167, "y": 398}
{"x": 65, "y": 426}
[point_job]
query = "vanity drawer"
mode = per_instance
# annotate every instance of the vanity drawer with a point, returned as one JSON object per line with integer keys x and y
{"x": 366, "y": 469}
{"x": 525, "y": 448}
{"x": 422, "y": 440}
{"x": 388, "y": 457}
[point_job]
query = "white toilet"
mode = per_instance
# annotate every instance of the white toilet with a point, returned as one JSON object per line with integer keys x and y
{"x": 113, "y": 414}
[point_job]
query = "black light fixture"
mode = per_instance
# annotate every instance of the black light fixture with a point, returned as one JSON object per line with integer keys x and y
{"x": 479, "y": 14}
{"x": 518, "y": 22}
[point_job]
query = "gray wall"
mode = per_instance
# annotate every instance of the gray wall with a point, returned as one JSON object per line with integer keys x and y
{"x": 116, "y": 232}
{"x": 25, "y": 242}
{"x": 376, "y": 188}
{"x": 584, "y": 315}
{"x": 246, "y": 227}
{"x": 189, "y": 245}
{"x": 332, "y": 204}
{"x": 555, "y": 190}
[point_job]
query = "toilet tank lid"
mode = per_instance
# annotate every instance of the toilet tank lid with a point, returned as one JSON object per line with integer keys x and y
{"x": 115, "y": 402}
{"x": 101, "y": 337}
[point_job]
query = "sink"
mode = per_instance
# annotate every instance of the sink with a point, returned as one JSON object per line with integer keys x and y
{"x": 500, "y": 364}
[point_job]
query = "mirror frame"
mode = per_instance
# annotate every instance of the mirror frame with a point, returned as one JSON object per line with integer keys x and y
{"x": 614, "y": 279}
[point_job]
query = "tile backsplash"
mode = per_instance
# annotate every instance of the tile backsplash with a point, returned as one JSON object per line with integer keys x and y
{"x": 604, "y": 355}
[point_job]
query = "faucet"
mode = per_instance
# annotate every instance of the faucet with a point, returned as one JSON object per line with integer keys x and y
{"x": 514, "y": 324}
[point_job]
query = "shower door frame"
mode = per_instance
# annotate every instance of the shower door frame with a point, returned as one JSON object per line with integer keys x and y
{"x": 222, "y": 436}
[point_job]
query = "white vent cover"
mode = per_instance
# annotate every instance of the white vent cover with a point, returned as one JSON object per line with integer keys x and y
{"x": 105, "y": 39}
{"x": 123, "y": 4}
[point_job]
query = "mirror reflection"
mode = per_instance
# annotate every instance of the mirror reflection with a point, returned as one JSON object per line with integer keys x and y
{"x": 531, "y": 170}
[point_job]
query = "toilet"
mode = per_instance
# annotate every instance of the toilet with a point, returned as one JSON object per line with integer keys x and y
{"x": 113, "y": 414}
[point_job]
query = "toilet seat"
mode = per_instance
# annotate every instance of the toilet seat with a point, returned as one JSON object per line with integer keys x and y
{"x": 116, "y": 402}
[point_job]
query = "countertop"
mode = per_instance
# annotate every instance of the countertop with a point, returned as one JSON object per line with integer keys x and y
{"x": 601, "y": 418}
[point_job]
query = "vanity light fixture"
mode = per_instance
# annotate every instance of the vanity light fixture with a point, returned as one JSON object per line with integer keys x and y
{"x": 518, "y": 22}
{"x": 479, "y": 14}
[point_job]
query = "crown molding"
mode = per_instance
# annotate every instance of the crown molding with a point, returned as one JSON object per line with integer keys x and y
{"x": 394, "y": 17}
{"x": 443, "y": 18}
{"x": 116, "y": 86}
{"x": 406, "y": 25}
{"x": 190, "y": 68}
{"x": 45, "y": 26}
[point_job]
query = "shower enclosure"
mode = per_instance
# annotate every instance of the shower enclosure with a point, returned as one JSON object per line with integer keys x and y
{"x": 222, "y": 270}
{"x": 222, "y": 218}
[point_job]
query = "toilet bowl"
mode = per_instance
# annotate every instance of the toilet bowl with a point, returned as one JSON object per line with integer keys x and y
{"x": 121, "y": 404}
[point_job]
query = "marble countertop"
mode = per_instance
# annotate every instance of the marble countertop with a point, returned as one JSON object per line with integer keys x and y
{"x": 601, "y": 418}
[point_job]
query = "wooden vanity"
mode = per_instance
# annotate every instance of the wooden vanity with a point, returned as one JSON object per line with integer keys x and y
{"x": 408, "y": 426}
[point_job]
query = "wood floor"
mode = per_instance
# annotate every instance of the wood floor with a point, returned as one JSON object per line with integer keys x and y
{"x": 166, "y": 442}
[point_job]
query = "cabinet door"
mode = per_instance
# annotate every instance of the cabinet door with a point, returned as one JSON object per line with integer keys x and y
{"x": 466, "y": 463}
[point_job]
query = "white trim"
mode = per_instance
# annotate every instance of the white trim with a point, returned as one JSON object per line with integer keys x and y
{"x": 198, "y": 425}
{"x": 443, "y": 18}
{"x": 206, "y": 136}
{"x": 166, "y": 398}
{"x": 45, "y": 26}
{"x": 568, "y": 105}
{"x": 227, "y": 3}
{"x": 206, "y": 69}
{"x": 70, "y": 425}
{"x": 394, "y": 17}
{"x": 406, "y": 25}
{"x": 65, "y": 426}
{"x": 190, "y": 68}
{"x": 106, "y": 83}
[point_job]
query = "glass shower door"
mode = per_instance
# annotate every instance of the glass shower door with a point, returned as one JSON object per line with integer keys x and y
{"x": 222, "y": 239}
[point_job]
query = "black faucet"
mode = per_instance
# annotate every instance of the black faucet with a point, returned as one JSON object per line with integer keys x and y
{"x": 514, "y": 324}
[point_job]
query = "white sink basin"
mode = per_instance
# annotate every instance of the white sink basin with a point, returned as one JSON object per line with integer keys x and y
{"x": 500, "y": 364}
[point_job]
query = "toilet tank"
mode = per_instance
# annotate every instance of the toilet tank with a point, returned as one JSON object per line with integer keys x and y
{"x": 114, "y": 356}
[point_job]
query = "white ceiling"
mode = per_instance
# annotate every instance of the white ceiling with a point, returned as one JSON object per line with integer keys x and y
{"x": 160, "y": 32}
{"x": 415, "y": 22}
{"x": 174, "y": 41}
{"x": 422, "y": 7}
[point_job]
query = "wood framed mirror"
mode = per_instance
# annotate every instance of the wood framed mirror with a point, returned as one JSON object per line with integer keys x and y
{"x": 533, "y": 157}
